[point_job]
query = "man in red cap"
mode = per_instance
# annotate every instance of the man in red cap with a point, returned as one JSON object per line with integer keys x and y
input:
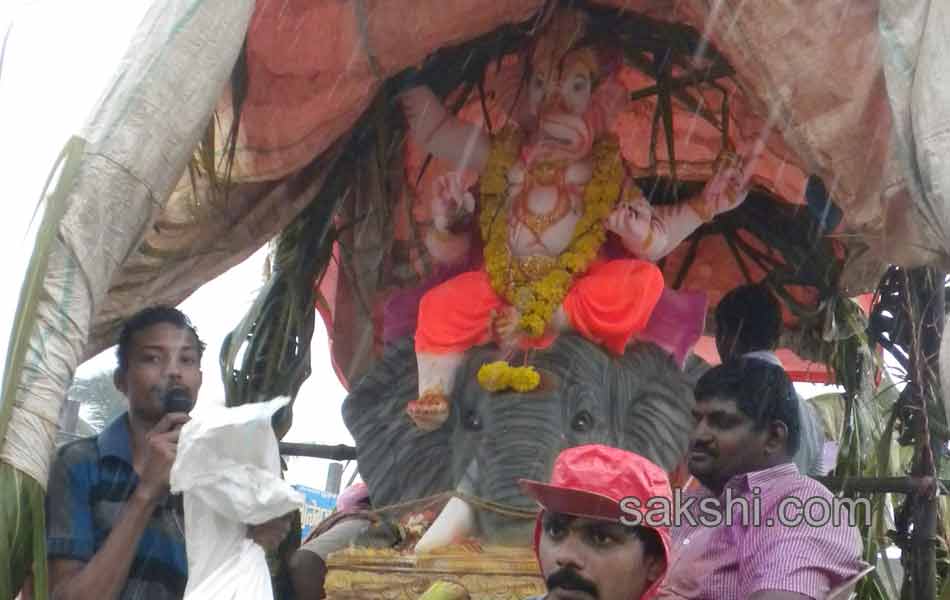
{"x": 583, "y": 546}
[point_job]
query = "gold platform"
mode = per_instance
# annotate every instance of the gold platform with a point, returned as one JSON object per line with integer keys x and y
{"x": 491, "y": 572}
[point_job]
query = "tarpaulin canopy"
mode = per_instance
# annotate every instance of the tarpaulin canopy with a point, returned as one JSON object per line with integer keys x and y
{"x": 313, "y": 68}
{"x": 852, "y": 92}
{"x": 815, "y": 72}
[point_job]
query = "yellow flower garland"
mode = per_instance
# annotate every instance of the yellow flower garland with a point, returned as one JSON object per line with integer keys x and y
{"x": 538, "y": 297}
{"x": 499, "y": 376}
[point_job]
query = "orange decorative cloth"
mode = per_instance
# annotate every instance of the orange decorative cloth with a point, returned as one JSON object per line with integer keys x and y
{"x": 610, "y": 304}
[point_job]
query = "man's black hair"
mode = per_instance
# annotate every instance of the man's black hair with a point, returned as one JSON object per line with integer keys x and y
{"x": 144, "y": 319}
{"x": 762, "y": 391}
{"x": 752, "y": 314}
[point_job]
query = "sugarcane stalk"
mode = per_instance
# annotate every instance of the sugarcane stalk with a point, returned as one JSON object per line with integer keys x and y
{"x": 925, "y": 295}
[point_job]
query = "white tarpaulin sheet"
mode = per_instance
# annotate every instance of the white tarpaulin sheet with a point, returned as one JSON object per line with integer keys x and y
{"x": 139, "y": 140}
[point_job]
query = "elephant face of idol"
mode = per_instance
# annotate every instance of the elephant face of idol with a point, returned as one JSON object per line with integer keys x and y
{"x": 639, "y": 402}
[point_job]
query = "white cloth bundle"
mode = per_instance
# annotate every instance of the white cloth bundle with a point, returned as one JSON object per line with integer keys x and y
{"x": 228, "y": 468}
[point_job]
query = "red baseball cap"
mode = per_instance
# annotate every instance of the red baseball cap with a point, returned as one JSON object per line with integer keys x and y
{"x": 590, "y": 481}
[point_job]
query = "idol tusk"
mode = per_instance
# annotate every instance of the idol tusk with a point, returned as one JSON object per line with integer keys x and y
{"x": 454, "y": 523}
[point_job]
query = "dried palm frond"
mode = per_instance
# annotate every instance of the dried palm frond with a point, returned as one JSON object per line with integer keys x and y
{"x": 268, "y": 353}
{"x": 206, "y": 161}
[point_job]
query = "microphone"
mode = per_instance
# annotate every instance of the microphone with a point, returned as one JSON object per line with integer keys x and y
{"x": 176, "y": 400}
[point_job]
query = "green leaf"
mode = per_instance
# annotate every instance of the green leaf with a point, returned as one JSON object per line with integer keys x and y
{"x": 22, "y": 533}
{"x": 830, "y": 409}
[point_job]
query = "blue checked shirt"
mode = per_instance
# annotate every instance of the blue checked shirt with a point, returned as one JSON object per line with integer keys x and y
{"x": 90, "y": 483}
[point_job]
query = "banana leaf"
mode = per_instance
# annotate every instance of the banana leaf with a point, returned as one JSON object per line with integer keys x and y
{"x": 830, "y": 409}
{"x": 22, "y": 533}
{"x": 864, "y": 424}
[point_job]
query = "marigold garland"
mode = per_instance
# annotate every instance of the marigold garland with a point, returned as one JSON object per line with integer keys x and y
{"x": 493, "y": 376}
{"x": 538, "y": 297}
{"x": 499, "y": 376}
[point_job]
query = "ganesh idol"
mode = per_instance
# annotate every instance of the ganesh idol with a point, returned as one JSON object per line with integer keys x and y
{"x": 552, "y": 185}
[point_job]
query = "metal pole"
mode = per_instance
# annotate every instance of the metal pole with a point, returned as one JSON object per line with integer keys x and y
{"x": 882, "y": 485}
{"x": 338, "y": 452}
{"x": 334, "y": 478}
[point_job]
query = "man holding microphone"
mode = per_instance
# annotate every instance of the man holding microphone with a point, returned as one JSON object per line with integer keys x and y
{"x": 113, "y": 528}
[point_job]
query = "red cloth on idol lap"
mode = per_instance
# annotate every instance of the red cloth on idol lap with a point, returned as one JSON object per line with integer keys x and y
{"x": 615, "y": 301}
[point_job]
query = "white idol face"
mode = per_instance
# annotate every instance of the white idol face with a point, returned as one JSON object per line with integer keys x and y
{"x": 566, "y": 90}
{"x": 558, "y": 101}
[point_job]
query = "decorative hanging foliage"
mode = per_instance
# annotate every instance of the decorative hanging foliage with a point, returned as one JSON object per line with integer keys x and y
{"x": 268, "y": 354}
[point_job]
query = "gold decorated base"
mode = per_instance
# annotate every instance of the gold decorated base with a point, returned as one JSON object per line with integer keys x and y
{"x": 492, "y": 572}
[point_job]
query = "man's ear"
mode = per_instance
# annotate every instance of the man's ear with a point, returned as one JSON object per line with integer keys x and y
{"x": 118, "y": 379}
{"x": 777, "y": 439}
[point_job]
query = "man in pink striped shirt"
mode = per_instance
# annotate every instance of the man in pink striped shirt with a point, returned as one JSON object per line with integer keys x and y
{"x": 758, "y": 529}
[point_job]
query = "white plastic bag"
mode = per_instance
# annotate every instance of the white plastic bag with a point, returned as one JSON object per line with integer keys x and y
{"x": 228, "y": 469}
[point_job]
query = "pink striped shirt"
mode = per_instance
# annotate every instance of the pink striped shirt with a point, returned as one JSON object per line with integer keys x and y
{"x": 732, "y": 562}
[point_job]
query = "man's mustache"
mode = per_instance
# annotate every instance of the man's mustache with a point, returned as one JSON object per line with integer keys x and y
{"x": 568, "y": 579}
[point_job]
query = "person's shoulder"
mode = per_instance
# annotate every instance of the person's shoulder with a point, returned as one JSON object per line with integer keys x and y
{"x": 76, "y": 464}
{"x": 809, "y": 502}
{"x": 78, "y": 451}
{"x": 807, "y": 487}
{"x": 789, "y": 483}
{"x": 787, "y": 479}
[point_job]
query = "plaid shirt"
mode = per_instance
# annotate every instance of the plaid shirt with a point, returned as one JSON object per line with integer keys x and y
{"x": 90, "y": 483}
{"x": 735, "y": 561}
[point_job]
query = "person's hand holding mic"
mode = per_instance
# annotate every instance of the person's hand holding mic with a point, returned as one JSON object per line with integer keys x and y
{"x": 161, "y": 445}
